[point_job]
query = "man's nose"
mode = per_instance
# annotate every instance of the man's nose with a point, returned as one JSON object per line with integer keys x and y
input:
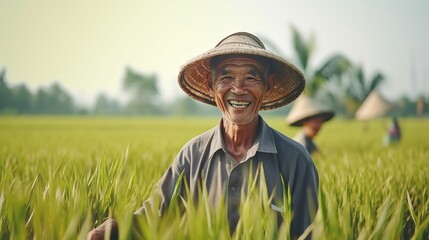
{"x": 239, "y": 85}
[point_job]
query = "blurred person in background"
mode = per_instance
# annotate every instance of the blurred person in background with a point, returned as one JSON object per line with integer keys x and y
{"x": 393, "y": 134}
{"x": 310, "y": 116}
{"x": 241, "y": 78}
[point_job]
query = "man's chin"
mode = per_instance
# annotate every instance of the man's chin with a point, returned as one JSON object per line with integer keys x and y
{"x": 240, "y": 119}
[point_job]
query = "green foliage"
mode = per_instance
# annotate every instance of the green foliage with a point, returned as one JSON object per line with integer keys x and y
{"x": 336, "y": 81}
{"x": 350, "y": 90}
{"x": 5, "y": 95}
{"x": 303, "y": 48}
{"x": 332, "y": 67}
{"x": 52, "y": 100}
{"x": 144, "y": 92}
{"x": 59, "y": 177}
{"x": 106, "y": 106}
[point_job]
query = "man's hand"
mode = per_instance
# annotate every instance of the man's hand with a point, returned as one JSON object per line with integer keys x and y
{"x": 109, "y": 226}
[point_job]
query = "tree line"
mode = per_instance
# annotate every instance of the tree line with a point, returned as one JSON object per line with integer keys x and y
{"x": 56, "y": 100}
{"x": 145, "y": 100}
{"x": 19, "y": 100}
{"x": 336, "y": 82}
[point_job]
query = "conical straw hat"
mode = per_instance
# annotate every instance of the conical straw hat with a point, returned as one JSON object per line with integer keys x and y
{"x": 304, "y": 108}
{"x": 373, "y": 106}
{"x": 288, "y": 81}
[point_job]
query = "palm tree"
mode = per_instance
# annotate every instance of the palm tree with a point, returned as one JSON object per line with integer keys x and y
{"x": 334, "y": 66}
{"x": 336, "y": 82}
{"x": 361, "y": 88}
{"x": 348, "y": 92}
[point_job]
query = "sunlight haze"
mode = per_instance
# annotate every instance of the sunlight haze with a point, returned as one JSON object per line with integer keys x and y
{"x": 86, "y": 45}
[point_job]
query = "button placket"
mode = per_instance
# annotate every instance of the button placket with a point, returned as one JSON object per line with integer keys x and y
{"x": 234, "y": 194}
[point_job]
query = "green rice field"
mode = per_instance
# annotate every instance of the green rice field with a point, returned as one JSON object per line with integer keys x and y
{"x": 62, "y": 176}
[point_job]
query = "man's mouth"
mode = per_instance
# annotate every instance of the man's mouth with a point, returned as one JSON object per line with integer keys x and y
{"x": 238, "y": 104}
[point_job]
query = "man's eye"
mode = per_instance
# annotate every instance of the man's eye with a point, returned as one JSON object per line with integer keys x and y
{"x": 252, "y": 78}
{"x": 225, "y": 78}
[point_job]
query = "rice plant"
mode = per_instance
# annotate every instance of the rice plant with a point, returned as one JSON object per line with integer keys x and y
{"x": 60, "y": 177}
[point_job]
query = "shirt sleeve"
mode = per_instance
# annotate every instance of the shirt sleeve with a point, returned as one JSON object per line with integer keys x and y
{"x": 304, "y": 197}
{"x": 169, "y": 187}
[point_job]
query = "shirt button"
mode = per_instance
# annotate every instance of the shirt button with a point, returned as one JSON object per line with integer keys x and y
{"x": 233, "y": 189}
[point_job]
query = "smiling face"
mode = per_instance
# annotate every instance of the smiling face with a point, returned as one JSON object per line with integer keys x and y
{"x": 238, "y": 85}
{"x": 312, "y": 126}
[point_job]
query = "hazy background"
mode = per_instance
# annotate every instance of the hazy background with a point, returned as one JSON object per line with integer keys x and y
{"x": 86, "y": 45}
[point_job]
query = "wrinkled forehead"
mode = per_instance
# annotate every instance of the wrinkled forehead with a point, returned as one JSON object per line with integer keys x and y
{"x": 240, "y": 59}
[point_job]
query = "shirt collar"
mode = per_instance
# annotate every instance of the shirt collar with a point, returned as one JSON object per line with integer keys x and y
{"x": 264, "y": 141}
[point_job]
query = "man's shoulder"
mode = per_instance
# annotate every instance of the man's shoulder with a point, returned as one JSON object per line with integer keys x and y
{"x": 289, "y": 147}
{"x": 282, "y": 139}
{"x": 202, "y": 138}
{"x": 202, "y": 144}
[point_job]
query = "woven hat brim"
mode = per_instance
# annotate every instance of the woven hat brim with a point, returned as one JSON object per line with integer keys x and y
{"x": 288, "y": 81}
{"x": 305, "y": 108}
{"x": 325, "y": 115}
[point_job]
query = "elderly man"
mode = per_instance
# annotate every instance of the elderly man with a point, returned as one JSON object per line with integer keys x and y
{"x": 241, "y": 78}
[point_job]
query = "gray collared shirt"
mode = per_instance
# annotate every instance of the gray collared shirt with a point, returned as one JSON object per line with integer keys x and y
{"x": 204, "y": 160}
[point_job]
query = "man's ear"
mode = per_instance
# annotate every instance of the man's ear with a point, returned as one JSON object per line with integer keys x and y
{"x": 269, "y": 85}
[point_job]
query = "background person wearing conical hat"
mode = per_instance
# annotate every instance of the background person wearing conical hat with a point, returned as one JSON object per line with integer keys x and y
{"x": 310, "y": 115}
{"x": 240, "y": 77}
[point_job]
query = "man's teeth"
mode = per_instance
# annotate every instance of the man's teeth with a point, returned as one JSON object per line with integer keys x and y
{"x": 238, "y": 104}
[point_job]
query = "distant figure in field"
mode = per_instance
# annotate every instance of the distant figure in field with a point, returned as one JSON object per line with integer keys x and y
{"x": 309, "y": 115}
{"x": 393, "y": 134}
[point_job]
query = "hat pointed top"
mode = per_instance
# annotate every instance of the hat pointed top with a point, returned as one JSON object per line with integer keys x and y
{"x": 242, "y": 38}
{"x": 304, "y": 108}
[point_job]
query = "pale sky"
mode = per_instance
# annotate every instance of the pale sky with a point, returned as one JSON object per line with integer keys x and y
{"x": 86, "y": 45}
